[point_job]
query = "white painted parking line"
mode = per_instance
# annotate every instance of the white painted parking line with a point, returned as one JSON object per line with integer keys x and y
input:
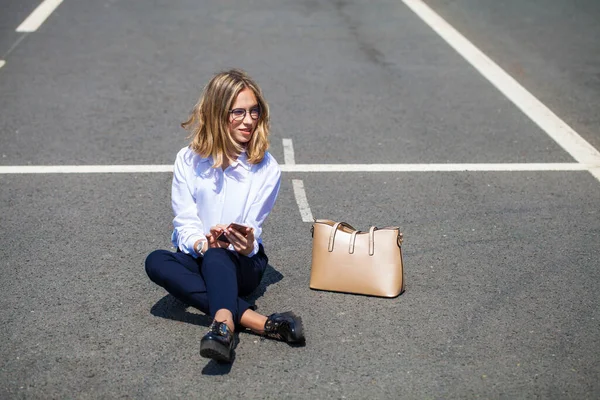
{"x": 595, "y": 171}
{"x": 549, "y": 122}
{"x": 38, "y": 16}
{"x": 433, "y": 167}
{"x": 2, "y": 62}
{"x": 103, "y": 169}
{"x": 288, "y": 152}
{"x": 302, "y": 201}
{"x": 83, "y": 169}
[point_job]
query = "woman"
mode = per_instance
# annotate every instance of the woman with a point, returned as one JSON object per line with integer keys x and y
{"x": 224, "y": 176}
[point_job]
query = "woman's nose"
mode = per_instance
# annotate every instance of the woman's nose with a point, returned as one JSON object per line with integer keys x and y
{"x": 247, "y": 119}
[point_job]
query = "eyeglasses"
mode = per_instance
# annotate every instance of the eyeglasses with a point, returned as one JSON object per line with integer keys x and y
{"x": 239, "y": 114}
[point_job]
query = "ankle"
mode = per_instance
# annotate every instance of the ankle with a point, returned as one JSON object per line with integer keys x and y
{"x": 259, "y": 328}
{"x": 254, "y": 321}
{"x": 225, "y": 317}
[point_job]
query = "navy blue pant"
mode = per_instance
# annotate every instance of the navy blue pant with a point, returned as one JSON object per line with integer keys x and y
{"x": 208, "y": 283}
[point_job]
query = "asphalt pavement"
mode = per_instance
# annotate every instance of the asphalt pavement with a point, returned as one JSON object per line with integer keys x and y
{"x": 501, "y": 267}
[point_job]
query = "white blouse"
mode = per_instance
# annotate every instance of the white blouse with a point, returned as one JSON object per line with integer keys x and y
{"x": 202, "y": 196}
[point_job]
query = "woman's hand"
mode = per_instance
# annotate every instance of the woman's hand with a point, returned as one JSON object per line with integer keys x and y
{"x": 215, "y": 232}
{"x": 243, "y": 242}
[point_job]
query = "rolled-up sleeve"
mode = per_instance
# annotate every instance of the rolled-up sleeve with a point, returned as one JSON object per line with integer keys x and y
{"x": 188, "y": 227}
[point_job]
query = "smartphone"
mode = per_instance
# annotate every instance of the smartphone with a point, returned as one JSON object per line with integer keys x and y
{"x": 238, "y": 227}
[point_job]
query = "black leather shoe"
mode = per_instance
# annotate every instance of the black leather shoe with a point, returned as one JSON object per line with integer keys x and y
{"x": 218, "y": 343}
{"x": 285, "y": 326}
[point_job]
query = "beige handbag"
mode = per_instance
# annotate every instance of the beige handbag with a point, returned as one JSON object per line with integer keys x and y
{"x": 350, "y": 261}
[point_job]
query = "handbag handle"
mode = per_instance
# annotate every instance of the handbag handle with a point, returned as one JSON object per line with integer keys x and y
{"x": 351, "y": 245}
{"x": 399, "y": 239}
{"x": 353, "y": 239}
{"x": 327, "y": 222}
{"x": 334, "y": 229}
{"x": 372, "y": 240}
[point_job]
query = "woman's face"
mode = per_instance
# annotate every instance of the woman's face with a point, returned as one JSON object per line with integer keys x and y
{"x": 243, "y": 116}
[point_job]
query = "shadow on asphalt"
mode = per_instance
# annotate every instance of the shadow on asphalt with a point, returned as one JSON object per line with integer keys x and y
{"x": 270, "y": 277}
{"x": 171, "y": 308}
{"x": 215, "y": 368}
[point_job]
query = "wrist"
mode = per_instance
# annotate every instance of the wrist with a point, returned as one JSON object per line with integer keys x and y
{"x": 246, "y": 252}
{"x": 252, "y": 250}
{"x": 199, "y": 247}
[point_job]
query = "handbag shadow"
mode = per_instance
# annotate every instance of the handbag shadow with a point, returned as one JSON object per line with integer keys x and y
{"x": 334, "y": 292}
{"x": 170, "y": 307}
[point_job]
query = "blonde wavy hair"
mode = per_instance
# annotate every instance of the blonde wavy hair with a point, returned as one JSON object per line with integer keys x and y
{"x": 208, "y": 123}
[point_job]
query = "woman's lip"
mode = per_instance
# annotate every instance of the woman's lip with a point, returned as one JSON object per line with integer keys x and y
{"x": 246, "y": 131}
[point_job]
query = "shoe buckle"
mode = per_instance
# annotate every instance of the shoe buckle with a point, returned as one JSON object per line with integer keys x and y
{"x": 223, "y": 329}
{"x": 219, "y": 328}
